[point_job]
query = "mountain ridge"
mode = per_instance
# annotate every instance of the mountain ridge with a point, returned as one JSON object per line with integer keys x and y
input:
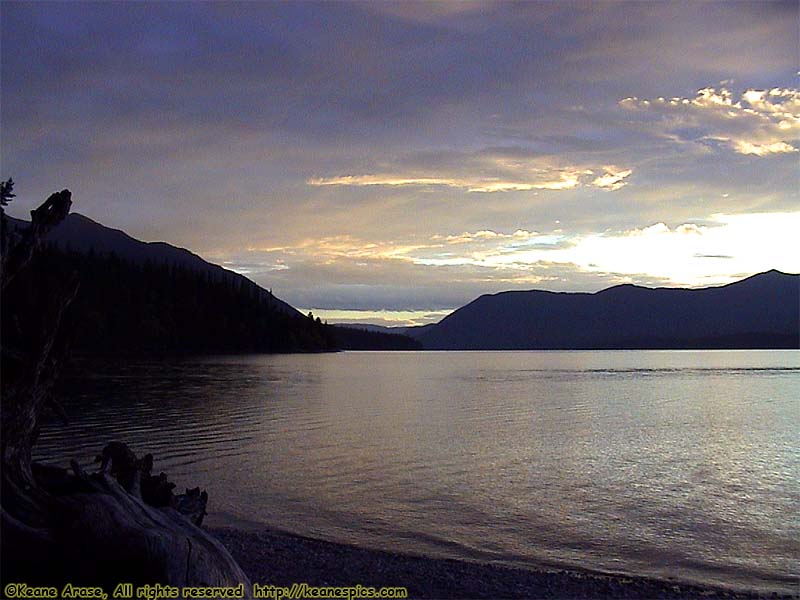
{"x": 138, "y": 296}
{"x": 83, "y": 234}
{"x": 762, "y": 309}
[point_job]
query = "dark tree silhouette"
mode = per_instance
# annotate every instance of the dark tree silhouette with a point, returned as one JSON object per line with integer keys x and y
{"x": 6, "y": 191}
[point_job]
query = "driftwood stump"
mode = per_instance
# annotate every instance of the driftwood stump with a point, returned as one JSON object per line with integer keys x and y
{"x": 119, "y": 525}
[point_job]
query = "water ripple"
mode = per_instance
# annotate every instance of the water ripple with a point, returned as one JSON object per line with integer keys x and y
{"x": 668, "y": 464}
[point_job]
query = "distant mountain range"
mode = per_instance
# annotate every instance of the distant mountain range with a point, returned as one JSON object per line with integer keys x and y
{"x": 762, "y": 311}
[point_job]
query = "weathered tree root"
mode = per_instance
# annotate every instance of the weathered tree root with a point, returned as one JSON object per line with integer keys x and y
{"x": 98, "y": 533}
{"x": 134, "y": 475}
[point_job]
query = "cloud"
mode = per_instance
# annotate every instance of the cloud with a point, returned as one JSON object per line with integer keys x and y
{"x": 495, "y": 174}
{"x": 613, "y": 179}
{"x": 763, "y": 149}
{"x": 758, "y": 122}
{"x": 687, "y": 254}
{"x": 564, "y": 180}
{"x": 322, "y": 147}
{"x": 348, "y": 272}
{"x": 485, "y": 235}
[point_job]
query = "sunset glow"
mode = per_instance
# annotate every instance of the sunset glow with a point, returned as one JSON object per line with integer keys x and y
{"x": 390, "y": 162}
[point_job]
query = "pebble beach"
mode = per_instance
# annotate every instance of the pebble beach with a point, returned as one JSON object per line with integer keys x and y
{"x": 281, "y": 559}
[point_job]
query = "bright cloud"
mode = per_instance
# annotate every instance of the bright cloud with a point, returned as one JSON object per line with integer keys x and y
{"x": 564, "y": 180}
{"x": 538, "y": 179}
{"x": 713, "y": 251}
{"x": 391, "y": 180}
{"x": 613, "y": 179}
{"x": 350, "y": 273}
{"x": 722, "y": 249}
{"x": 745, "y": 147}
{"x": 759, "y": 122}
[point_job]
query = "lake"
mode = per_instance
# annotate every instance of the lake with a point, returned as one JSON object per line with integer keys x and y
{"x": 671, "y": 464}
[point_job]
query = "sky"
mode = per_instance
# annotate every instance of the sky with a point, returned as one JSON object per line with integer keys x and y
{"x": 386, "y": 163}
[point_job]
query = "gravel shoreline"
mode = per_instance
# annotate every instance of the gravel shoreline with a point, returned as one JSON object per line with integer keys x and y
{"x": 281, "y": 559}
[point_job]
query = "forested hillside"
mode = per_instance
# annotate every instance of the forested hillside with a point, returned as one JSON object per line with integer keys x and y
{"x": 124, "y": 307}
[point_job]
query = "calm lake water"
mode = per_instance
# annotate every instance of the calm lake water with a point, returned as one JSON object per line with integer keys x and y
{"x": 679, "y": 464}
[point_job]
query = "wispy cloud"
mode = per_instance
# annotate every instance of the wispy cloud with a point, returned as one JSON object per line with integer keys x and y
{"x": 349, "y": 272}
{"x": 613, "y": 179}
{"x": 566, "y": 180}
{"x": 530, "y": 178}
{"x": 486, "y": 234}
{"x": 758, "y": 122}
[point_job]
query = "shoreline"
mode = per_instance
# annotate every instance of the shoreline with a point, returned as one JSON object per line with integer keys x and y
{"x": 270, "y": 556}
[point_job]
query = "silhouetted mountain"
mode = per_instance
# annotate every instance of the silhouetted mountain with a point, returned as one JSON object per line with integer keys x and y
{"x": 122, "y": 307}
{"x": 762, "y": 311}
{"x": 83, "y": 235}
{"x": 153, "y": 297}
